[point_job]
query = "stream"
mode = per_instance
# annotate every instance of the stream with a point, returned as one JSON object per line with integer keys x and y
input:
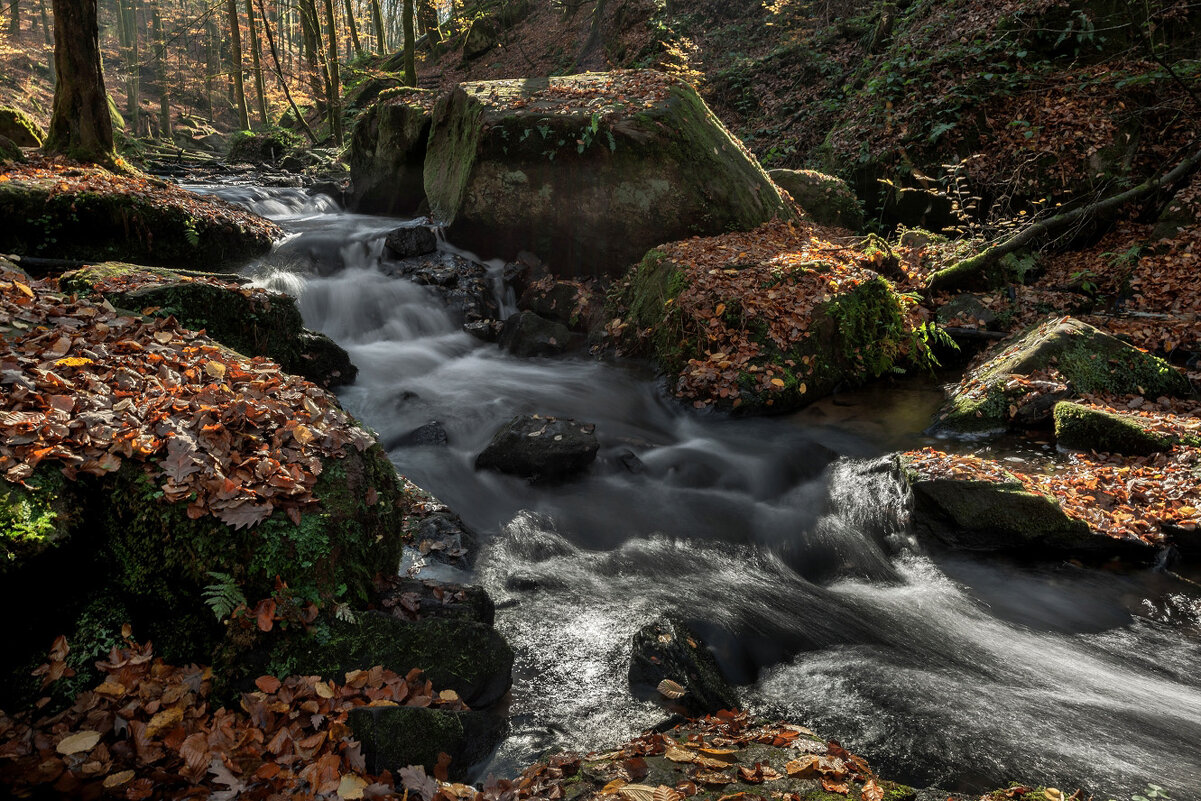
{"x": 788, "y": 557}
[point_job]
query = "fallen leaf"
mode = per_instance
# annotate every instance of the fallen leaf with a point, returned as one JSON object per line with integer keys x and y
{"x": 79, "y": 742}
{"x": 672, "y": 689}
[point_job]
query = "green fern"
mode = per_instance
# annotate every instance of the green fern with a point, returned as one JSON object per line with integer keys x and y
{"x": 223, "y": 596}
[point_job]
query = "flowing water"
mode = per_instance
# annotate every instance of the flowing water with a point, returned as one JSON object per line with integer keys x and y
{"x": 775, "y": 537}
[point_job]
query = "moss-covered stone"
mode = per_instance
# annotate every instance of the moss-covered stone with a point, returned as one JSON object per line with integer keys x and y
{"x": 1003, "y": 516}
{"x": 1088, "y": 429}
{"x": 20, "y": 128}
{"x": 395, "y": 737}
{"x": 825, "y": 199}
{"x": 254, "y": 322}
{"x": 35, "y": 517}
{"x": 150, "y": 226}
{"x": 454, "y": 653}
{"x": 261, "y": 147}
{"x": 387, "y": 153}
{"x": 1086, "y": 358}
{"x": 588, "y": 171}
{"x": 9, "y": 152}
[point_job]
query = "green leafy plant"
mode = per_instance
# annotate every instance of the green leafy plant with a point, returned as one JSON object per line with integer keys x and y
{"x": 224, "y": 595}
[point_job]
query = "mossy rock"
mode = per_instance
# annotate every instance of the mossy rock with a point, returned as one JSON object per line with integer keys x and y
{"x": 857, "y": 335}
{"x": 1004, "y": 517}
{"x": 454, "y": 653}
{"x": 1087, "y": 429}
{"x": 633, "y": 160}
{"x": 395, "y": 737}
{"x": 121, "y": 541}
{"x": 825, "y": 199}
{"x": 20, "y": 128}
{"x": 261, "y": 147}
{"x": 254, "y": 322}
{"x": 9, "y": 152}
{"x": 387, "y": 153}
{"x": 1088, "y": 359}
{"x": 42, "y": 219}
{"x": 368, "y": 90}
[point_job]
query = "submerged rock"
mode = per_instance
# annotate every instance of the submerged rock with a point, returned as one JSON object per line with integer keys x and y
{"x": 430, "y": 435}
{"x": 252, "y": 321}
{"x": 387, "y": 153}
{"x": 527, "y": 334}
{"x": 669, "y": 650}
{"x": 540, "y": 448}
{"x": 1033, "y": 370}
{"x": 588, "y": 171}
{"x": 825, "y": 199}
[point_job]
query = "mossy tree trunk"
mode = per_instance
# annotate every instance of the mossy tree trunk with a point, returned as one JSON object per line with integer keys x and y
{"x": 235, "y": 63}
{"x": 80, "y": 125}
{"x": 256, "y": 60}
{"x": 410, "y": 45}
{"x": 334, "y": 85}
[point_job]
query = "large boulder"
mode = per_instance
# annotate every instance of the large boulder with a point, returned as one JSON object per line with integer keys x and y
{"x": 90, "y": 214}
{"x": 251, "y": 320}
{"x": 261, "y": 147}
{"x": 387, "y": 153}
{"x": 9, "y": 151}
{"x": 1089, "y": 429}
{"x": 22, "y": 129}
{"x": 540, "y": 448}
{"x": 767, "y": 321}
{"x": 528, "y": 334}
{"x": 1033, "y": 370}
{"x": 588, "y": 171}
{"x": 669, "y": 650}
{"x": 825, "y": 199}
{"x": 398, "y": 737}
{"x": 463, "y": 284}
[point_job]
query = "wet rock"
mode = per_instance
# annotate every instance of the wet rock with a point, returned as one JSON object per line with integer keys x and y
{"x": 443, "y": 536}
{"x": 387, "y": 153}
{"x": 418, "y": 599}
{"x": 1086, "y": 359}
{"x": 630, "y": 461}
{"x": 462, "y": 284}
{"x": 430, "y": 435}
{"x": 484, "y": 330}
{"x": 454, "y": 653}
{"x": 21, "y": 128}
{"x": 397, "y": 737}
{"x": 825, "y": 199}
{"x": 1087, "y": 429}
{"x": 411, "y": 240}
{"x": 668, "y": 649}
{"x": 528, "y": 334}
{"x": 540, "y": 448}
{"x": 660, "y": 167}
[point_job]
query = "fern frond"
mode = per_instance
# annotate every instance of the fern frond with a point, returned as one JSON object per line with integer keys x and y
{"x": 224, "y": 595}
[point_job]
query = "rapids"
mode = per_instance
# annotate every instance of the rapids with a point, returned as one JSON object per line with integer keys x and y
{"x": 790, "y": 557}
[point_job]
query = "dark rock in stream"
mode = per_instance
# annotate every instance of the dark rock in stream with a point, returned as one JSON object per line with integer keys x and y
{"x": 395, "y": 737}
{"x": 668, "y": 649}
{"x": 444, "y": 537}
{"x": 462, "y": 284}
{"x": 430, "y": 435}
{"x": 409, "y": 241}
{"x": 484, "y": 330}
{"x": 540, "y": 448}
{"x": 527, "y": 334}
{"x": 420, "y": 599}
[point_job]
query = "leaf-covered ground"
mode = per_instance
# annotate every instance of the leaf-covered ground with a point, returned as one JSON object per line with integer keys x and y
{"x": 86, "y": 387}
{"x": 71, "y": 178}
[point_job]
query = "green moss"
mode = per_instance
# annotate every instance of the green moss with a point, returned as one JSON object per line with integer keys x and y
{"x": 20, "y": 128}
{"x": 1085, "y": 428}
{"x": 34, "y": 517}
{"x": 268, "y": 146}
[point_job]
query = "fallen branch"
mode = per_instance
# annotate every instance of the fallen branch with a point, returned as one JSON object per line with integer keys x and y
{"x": 963, "y": 272}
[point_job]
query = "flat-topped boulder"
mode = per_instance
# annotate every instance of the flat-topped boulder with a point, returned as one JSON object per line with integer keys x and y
{"x": 588, "y": 171}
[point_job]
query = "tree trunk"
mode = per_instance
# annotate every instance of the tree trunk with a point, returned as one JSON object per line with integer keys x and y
{"x": 46, "y": 27}
{"x": 256, "y": 60}
{"x": 279, "y": 73}
{"x": 335, "y": 80}
{"x": 14, "y": 21}
{"x": 235, "y": 63}
{"x": 210, "y": 64}
{"x": 377, "y": 16}
{"x": 354, "y": 29}
{"x": 127, "y": 17}
{"x": 428, "y": 16}
{"x": 310, "y": 33}
{"x": 80, "y": 125}
{"x": 410, "y": 45}
{"x": 160, "y": 54}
